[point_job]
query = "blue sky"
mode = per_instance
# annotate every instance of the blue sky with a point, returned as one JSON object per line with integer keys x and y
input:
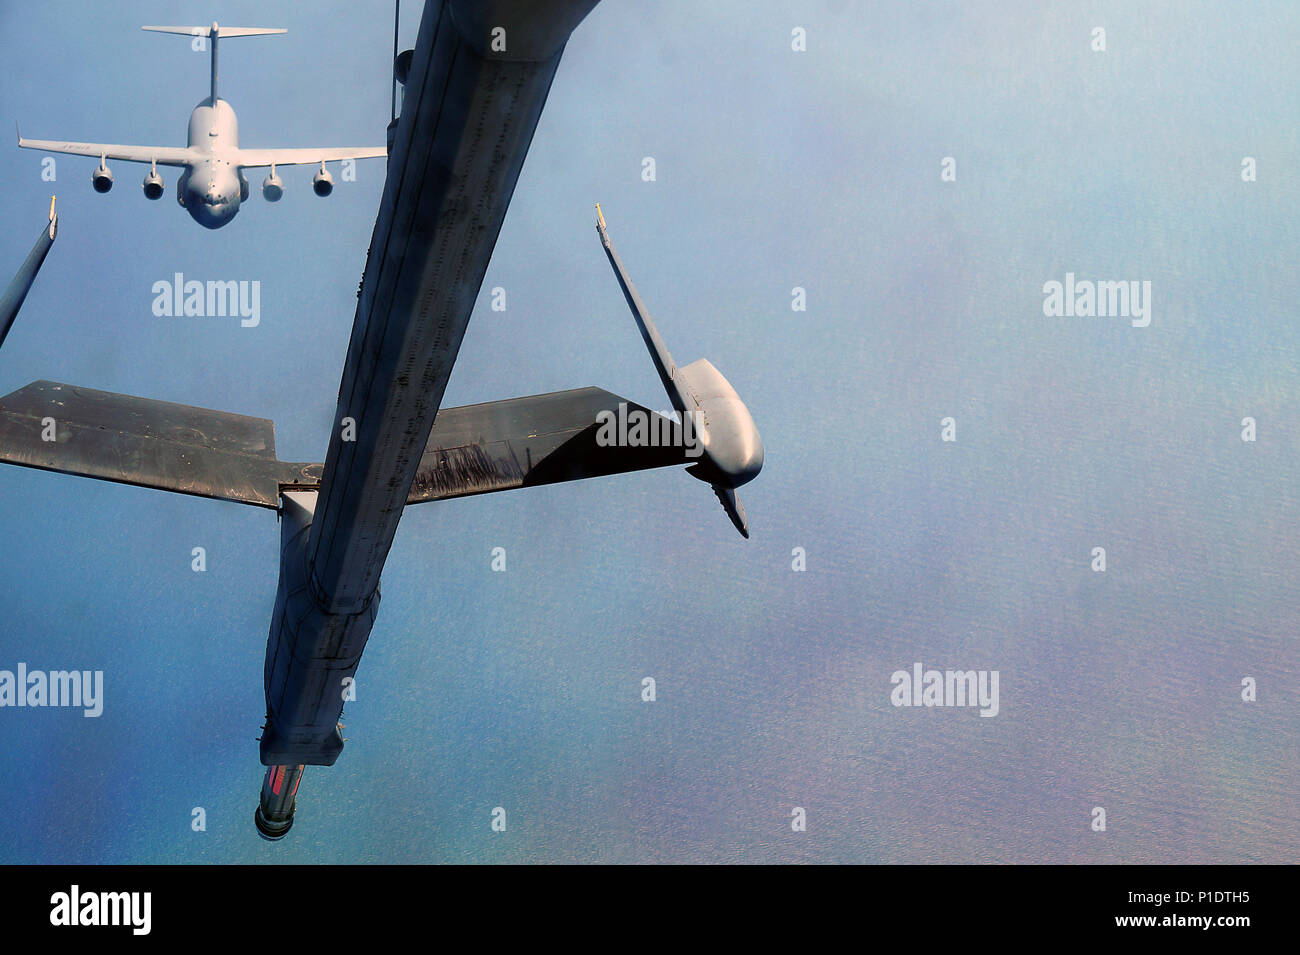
{"x": 775, "y": 169}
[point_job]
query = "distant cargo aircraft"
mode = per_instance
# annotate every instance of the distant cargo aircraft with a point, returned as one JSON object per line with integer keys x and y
{"x": 213, "y": 184}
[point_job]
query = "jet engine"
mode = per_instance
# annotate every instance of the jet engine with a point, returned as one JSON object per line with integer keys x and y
{"x": 323, "y": 182}
{"x": 153, "y": 185}
{"x": 102, "y": 178}
{"x": 272, "y": 187}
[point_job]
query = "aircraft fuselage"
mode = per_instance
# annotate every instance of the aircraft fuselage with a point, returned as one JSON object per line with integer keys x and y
{"x": 212, "y": 189}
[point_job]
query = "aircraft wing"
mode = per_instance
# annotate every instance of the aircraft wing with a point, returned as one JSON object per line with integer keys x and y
{"x": 294, "y": 157}
{"x": 474, "y": 449}
{"x": 147, "y": 443}
{"x": 162, "y": 155}
{"x": 14, "y": 296}
{"x": 541, "y": 439}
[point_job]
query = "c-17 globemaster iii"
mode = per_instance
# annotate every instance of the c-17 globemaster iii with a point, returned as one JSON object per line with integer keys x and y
{"x": 213, "y": 184}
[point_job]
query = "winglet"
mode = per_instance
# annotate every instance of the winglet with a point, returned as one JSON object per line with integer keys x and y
{"x": 11, "y": 299}
{"x": 52, "y": 198}
{"x": 658, "y": 350}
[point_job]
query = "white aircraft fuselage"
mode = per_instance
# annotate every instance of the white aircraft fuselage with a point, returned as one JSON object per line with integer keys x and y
{"x": 212, "y": 189}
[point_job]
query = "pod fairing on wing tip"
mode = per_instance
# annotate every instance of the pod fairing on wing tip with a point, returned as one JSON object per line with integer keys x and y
{"x": 731, "y": 449}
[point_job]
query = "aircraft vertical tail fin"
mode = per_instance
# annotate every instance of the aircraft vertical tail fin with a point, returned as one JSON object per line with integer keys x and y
{"x": 212, "y": 33}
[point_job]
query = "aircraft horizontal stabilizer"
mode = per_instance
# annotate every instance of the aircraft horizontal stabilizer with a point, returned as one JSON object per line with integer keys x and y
{"x": 221, "y": 31}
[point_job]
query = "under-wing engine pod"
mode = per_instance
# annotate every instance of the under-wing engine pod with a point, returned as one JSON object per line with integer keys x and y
{"x": 323, "y": 182}
{"x": 102, "y": 178}
{"x": 272, "y": 187}
{"x": 153, "y": 185}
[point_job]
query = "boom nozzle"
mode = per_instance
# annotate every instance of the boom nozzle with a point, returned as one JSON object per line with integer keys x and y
{"x": 274, "y": 816}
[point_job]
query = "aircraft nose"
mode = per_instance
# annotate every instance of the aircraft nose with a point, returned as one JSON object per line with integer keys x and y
{"x": 209, "y": 216}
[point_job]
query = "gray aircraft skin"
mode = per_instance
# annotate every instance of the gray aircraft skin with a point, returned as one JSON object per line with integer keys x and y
{"x": 731, "y": 450}
{"x": 16, "y": 293}
{"x": 468, "y": 117}
{"x": 213, "y": 184}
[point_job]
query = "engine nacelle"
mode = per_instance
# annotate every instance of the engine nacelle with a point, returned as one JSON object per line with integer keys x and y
{"x": 102, "y": 178}
{"x": 272, "y": 188}
{"x": 153, "y": 185}
{"x": 402, "y": 66}
{"x": 323, "y": 182}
